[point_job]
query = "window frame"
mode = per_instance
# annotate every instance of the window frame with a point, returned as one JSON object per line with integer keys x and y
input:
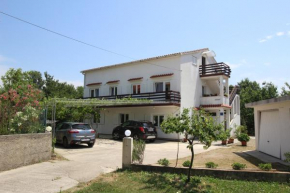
{"x": 158, "y": 119}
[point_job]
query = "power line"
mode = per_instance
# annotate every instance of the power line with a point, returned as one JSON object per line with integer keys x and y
{"x": 79, "y": 41}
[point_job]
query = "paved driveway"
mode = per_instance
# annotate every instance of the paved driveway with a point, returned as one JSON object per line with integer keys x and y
{"x": 84, "y": 165}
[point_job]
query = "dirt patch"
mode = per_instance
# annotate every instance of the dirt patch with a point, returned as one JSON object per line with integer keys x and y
{"x": 224, "y": 157}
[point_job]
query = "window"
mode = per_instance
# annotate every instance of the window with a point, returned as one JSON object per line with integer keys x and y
{"x": 113, "y": 90}
{"x": 92, "y": 93}
{"x": 124, "y": 118}
{"x": 136, "y": 89}
{"x": 97, "y": 92}
{"x": 127, "y": 123}
{"x": 157, "y": 120}
{"x": 158, "y": 86}
{"x": 167, "y": 86}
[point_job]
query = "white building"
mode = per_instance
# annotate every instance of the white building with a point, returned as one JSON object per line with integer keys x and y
{"x": 272, "y": 125}
{"x": 173, "y": 82}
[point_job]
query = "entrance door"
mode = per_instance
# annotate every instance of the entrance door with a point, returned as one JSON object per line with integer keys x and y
{"x": 269, "y": 141}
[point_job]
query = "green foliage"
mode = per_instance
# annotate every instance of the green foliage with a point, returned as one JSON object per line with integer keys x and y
{"x": 241, "y": 129}
{"x": 197, "y": 125}
{"x": 266, "y": 166}
{"x": 211, "y": 165}
{"x": 224, "y": 134}
{"x": 186, "y": 163}
{"x": 238, "y": 166}
{"x": 251, "y": 91}
{"x": 243, "y": 137}
{"x": 286, "y": 89}
{"x": 163, "y": 162}
{"x": 138, "y": 151}
{"x": 287, "y": 155}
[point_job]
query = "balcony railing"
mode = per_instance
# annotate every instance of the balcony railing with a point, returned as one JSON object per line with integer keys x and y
{"x": 214, "y": 70}
{"x": 165, "y": 96}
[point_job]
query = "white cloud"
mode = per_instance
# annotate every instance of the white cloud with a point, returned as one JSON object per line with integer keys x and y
{"x": 280, "y": 33}
{"x": 269, "y": 37}
{"x": 287, "y": 23}
{"x": 263, "y": 40}
{"x": 237, "y": 65}
{"x": 267, "y": 64}
{"x": 76, "y": 83}
{"x": 289, "y": 33}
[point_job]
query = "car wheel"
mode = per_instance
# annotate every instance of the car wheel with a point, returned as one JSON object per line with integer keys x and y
{"x": 135, "y": 136}
{"x": 65, "y": 143}
{"x": 91, "y": 144}
{"x": 116, "y": 135}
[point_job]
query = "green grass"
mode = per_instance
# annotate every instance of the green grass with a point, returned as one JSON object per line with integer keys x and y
{"x": 130, "y": 181}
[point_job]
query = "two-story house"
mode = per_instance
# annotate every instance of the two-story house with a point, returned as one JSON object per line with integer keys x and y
{"x": 173, "y": 82}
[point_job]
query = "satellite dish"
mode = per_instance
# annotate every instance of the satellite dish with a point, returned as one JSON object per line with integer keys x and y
{"x": 127, "y": 133}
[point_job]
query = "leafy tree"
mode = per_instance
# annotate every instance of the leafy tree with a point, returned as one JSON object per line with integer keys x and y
{"x": 250, "y": 91}
{"x": 286, "y": 89}
{"x": 14, "y": 78}
{"x": 35, "y": 78}
{"x": 198, "y": 125}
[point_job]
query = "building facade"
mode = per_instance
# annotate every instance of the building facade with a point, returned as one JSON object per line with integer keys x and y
{"x": 173, "y": 82}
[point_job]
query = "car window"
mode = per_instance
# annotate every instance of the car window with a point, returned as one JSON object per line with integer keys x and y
{"x": 133, "y": 123}
{"x": 148, "y": 124}
{"x": 65, "y": 126}
{"x": 127, "y": 123}
{"x": 81, "y": 126}
{"x": 58, "y": 126}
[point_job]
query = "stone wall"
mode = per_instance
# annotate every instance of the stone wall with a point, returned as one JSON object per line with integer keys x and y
{"x": 24, "y": 149}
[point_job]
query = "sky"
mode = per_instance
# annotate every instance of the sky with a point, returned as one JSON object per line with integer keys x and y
{"x": 253, "y": 37}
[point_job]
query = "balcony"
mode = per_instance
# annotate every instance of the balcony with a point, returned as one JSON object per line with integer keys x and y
{"x": 162, "y": 97}
{"x": 214, "y": 100}
{"x": 214, "y": 70}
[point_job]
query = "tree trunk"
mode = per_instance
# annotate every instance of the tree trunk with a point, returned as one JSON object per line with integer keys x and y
{"x": 191, "y": 162}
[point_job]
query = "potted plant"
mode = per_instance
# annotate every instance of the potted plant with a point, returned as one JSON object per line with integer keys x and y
{"x": 231, "y": 140}
{"x": 244, "y": 138}
{"x": 224, "y": 136}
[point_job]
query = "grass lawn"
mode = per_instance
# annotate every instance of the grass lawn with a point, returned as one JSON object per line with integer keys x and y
{"x": 225, "y": 157}
{"x": 130, "y": 181}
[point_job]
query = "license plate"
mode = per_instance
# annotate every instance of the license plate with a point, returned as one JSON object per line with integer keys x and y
{"x": 150, "y": 129}
{"x": 85, "y": 139}
{"x": 151, "y": 137}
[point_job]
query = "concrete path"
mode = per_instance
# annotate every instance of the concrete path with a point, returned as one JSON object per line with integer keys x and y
{"x": 84, "y": 165}
{"x": 265, "y": 158}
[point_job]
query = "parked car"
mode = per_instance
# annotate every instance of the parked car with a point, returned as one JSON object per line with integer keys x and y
{"x": 139, "y": 130}
{"x": 69, "y": 133}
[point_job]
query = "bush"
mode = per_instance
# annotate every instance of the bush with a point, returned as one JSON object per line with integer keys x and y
{"x": 138, "y": 151}
{"x": 224, "y": 135}
{"x": 186, "y": 163}
{"x": 241, "y": 129}
{"x": 211, "y": 165}
{"x": 163, "y": 162}
{"x": 243, "y": 137}
{"x": 287, "y": 155}
{"x": 238, "y": 166}
{"x": 265, "y": 167}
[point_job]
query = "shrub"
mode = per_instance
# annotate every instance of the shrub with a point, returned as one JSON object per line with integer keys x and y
{"x": 138, "y": 151}
{"x": 211, "y": 165}
{"x": 265, "y": 167}
{"x": 238, "y": 166}
{"x": 287, "y": 155}
{"x": 224, "y": 135}
{"x": 186, "y": 163}
{"x": 163, "y": 162}
{"x": 241, "y": 129}
{"x": 243, "y": 137}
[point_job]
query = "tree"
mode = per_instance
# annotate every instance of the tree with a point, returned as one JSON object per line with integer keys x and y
{"x": 284, "y": 91}
{"x": 250, "y": 91}
{"x": 198, "y": 125}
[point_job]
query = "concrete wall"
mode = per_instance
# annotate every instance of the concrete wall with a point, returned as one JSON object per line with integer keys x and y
{"x": 24, "y": 149}
{"x": 282, "y": 128}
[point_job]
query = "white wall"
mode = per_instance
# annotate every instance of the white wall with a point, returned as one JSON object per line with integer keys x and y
{"x": 139, "y": 69}
{"x": 283, "y": 125}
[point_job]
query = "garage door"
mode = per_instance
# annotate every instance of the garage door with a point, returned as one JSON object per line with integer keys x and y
{"x": 269, "y": 141}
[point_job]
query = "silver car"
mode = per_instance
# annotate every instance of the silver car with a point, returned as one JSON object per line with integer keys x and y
{"x": 69, "y": 133}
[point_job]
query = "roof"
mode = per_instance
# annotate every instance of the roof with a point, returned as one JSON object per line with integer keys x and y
{"x": 139, "y": 78}
{"x": 95, "y": 83}
{"x": 147, "y": 59}
{"x": 113, "y": 81}
{"x": 268, "y": 101}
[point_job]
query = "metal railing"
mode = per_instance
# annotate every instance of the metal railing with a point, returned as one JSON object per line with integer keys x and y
{"x": 214, "y": 69}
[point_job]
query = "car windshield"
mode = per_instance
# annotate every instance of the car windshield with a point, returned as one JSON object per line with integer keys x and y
{"x": 81, "y": 126}
{"x": 148, "y": 124}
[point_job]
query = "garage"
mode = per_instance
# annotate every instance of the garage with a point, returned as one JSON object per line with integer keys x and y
{"x": 272, "y": 126}
{"x": 269, "y": 141}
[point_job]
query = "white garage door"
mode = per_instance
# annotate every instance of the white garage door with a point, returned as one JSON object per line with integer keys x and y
{"x": 269, "y": 141}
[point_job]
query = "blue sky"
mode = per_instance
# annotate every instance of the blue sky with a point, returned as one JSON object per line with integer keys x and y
{"x": 253, "y": 37}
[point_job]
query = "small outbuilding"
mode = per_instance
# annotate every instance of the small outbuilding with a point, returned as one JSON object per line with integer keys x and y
{"x": 272, "y": 125}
